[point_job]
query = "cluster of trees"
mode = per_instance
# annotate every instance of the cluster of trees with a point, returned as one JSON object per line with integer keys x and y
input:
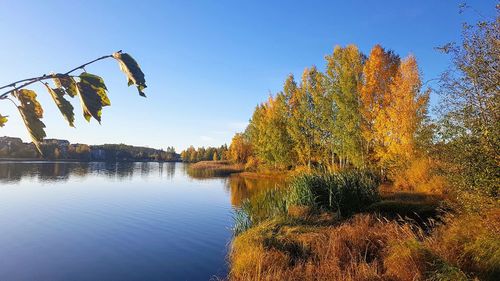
{"x": 363, "y": 111}
{"x": 123, "y": 152}
{"x": 371, "y": 112}
{"x": 55, "y": 149}
{"x": 193, "y": 155}
{"x": 15, "y": 148}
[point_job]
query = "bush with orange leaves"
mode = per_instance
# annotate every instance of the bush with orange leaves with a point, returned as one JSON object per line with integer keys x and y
{"x": 419, "y": 176}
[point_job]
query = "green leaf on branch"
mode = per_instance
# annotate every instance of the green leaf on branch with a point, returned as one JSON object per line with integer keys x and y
{"x": 31, "y": 111}
{"x": 64, "y": 106}
{"x": 134, "y": 73}
{"x": 97, "y": 83}
{"x": 93, "y": 96}
{"x": 3, "y": 120}
{"x": 94, "y": 80}
{"x": 67, "y": 83}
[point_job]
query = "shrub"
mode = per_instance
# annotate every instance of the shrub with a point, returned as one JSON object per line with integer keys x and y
{"x": 344, "y": 192}
{"x": 419, "y": 176}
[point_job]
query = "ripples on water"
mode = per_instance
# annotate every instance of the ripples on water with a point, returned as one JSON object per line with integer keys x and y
{"x": 115, "y": 221}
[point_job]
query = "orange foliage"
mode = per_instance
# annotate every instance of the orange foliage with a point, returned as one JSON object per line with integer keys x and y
{"x": 419, "y": 177}
{"x": 240, "y": 149}
{"x": 402, "y": 114}
{"x": 378, "y": 72}
{"x": 392, "y": 108}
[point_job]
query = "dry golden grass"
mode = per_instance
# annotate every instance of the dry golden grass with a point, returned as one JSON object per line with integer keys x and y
{"x": 471, "y": 242}
{"x": 354, "y": 250}
{"x": 368, "y": 248}
{"x": 204, "y": 169}
{"x": 210, "y": 165}
{"x": 377, "y": 245}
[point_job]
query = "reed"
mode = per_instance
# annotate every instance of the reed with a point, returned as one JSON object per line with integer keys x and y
{"x": 343, "y": 192}
{"x": 265, "y": 205}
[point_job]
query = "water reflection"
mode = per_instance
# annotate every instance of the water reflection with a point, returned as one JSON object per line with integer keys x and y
{"x": 124, "y": 221}
{"x": 239, "y": 188}
{"x": 14, "y": 172}
{"x": 142, "y": 221}
{"x": 242, "y": 188}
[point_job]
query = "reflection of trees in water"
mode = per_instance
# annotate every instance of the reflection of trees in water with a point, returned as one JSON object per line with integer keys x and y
{"x": 118, "y": 170}
{"x": 145, "y": 169}
{"x": 201, "y": 174}
{"x": 46, "y": 172}
{"x": 62, "y": 171}
{"x": 53, "y": 172}
{"x": 167, "y": 169}
{"x": 242, "y": 188}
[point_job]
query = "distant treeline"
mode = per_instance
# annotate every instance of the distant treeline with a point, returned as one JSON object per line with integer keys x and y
{"x": 193, "y": 155}
{"x": 54, "y": 149}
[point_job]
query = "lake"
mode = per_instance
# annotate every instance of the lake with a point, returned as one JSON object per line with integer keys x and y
{"x": 115, "y": 221}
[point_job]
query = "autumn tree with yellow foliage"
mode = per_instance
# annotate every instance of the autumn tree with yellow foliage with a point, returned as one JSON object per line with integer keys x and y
{"x": 404, "y": 112}
{"x": 375, "y": 95}
{"x": 344, "y": 70}
{"x": 362, "y": 112}
{"x": 240, "y": 149}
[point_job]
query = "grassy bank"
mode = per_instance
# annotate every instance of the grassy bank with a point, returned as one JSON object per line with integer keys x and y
{"x": 206, "y": 169}
{"x": 366, "y": 247}
{"x": 338, "y": 227}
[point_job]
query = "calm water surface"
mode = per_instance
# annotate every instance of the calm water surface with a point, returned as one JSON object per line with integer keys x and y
{"x": 119, "y": 221}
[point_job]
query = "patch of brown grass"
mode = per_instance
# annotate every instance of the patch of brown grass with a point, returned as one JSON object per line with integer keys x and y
{"x": 208, "y": 165}
{"x": 206, "y": 169}
{"x": 354, "y": 250}
{"x": 368, "y": 248}
{"x": 471, "y": 242}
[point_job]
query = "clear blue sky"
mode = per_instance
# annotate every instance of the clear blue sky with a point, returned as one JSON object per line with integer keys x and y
{"x": 207, "y": 63}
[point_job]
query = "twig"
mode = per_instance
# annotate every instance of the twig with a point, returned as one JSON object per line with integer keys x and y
{"x": 30, "y": 81}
